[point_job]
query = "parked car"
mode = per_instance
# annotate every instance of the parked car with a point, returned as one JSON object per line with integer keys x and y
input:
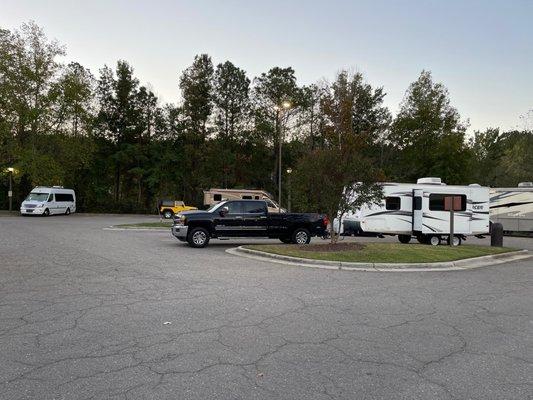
{"x": 246, "y": 218}
{"x": 169, "y": 208}
{"x": 47, "y": 200}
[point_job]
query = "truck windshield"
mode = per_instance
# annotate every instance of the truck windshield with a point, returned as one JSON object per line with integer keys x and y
{"x": 215, "y": 206}
{"x": 37, "y": 197}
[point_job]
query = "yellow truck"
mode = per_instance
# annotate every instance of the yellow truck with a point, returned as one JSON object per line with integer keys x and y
{"x": 168, "y": 208}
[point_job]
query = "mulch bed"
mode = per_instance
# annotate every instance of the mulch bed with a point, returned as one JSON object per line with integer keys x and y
{"x": 328, "y": 247}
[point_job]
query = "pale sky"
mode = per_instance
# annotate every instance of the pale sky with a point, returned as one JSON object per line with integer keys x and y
{"x": 481, "y": 50}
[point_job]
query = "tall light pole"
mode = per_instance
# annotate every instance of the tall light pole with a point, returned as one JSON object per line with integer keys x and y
{"x": 10, "y": 192}
{"x": 289, "y": 171}
{"x": 284, "y": 106}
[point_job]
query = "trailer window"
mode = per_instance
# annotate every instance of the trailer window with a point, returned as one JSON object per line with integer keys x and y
{"x": 246, "y": 197}
{"x": 217, "y": 197}
{"x": 392, "y": 203}
{"x": 436, "y": 201}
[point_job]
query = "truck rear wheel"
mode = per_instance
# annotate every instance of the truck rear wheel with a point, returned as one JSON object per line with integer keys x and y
{"x": 301, "y": 236}
{"x": 198, "y": 237}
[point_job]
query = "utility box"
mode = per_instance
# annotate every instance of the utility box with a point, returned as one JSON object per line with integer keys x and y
{"x": 496, "y": 235}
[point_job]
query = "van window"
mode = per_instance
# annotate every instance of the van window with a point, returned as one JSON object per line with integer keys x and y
{"x": 392, "y": 203}
{"x": 217, "y": 197}
{"x": 436, "y": 201}
{"x": 246, "y": 197}
{"x": 51, "y": 197}
{"x": 64, "y": 197}
{"x": 37, "y": 197}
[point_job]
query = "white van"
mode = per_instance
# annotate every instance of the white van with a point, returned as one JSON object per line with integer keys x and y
{"x": 45, "y": 200}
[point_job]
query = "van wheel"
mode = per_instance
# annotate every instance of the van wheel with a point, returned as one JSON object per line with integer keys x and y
{"x": 434, "y": 240}
{"x": 46, "y": 212}
{"x": 404, "y": 238}
{"x": 198, "y": 237}
{"x": 285, "y": 240}
{"x": 301, "y": 236}
{"x": 456, "y": 241}
{"x": 67, "y": 212}
{"x": 167, "y": 214}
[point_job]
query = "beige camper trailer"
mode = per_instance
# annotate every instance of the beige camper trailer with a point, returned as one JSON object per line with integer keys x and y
{"x": 213, "y": 196}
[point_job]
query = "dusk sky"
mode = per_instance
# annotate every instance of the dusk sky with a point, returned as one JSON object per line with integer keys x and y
{"x": 481, "y": 50}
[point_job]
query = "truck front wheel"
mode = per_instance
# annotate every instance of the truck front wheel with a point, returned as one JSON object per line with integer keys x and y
{"x": 198, "y": 237}
{"x": 301, "y": 236}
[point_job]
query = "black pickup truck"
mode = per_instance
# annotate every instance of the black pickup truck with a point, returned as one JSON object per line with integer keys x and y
{"x": 246, "y": 218}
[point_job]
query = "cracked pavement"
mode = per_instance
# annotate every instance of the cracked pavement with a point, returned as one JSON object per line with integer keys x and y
{"x": 87, "y": 313}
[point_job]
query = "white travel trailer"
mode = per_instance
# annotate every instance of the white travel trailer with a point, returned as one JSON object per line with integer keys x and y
{"x": 409, "y": 209}
{"x": 513, "y": 207}
{"x": 48, "y": 200}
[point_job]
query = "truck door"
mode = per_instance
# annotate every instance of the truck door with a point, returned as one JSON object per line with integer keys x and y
{"x": 418, "y": 195}
{"x": 254, "y": 218}
{"x": 231, "y": 223}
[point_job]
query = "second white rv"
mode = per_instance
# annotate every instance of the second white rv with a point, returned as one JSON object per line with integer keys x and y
{"x": 417, "y": 210}
{"x": 513, "y": 207}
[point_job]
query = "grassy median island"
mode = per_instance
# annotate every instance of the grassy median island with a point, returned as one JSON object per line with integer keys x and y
{"x": 380, "y": 252}
{"x": 147, "y": 225}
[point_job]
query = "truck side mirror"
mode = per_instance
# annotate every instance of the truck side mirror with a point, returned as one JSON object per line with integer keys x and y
{"x": 223, "y": 211}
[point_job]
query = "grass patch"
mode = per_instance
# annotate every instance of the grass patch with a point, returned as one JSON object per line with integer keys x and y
{"x": 385, "y": 252}
{"x": 164, "y": 224}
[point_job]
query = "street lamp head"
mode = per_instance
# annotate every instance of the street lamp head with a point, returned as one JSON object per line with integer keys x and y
{"x": 286, "y": 104}
{"x": 289, "y": 170}
{"x": 11, "y": 169}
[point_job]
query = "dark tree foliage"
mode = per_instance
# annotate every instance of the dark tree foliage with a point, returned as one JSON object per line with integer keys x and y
{"x": 109, "y": 137}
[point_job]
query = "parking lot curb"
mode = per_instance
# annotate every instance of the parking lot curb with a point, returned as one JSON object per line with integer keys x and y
{"x": 459, "y": 265}
{"x": 116, "y": 228}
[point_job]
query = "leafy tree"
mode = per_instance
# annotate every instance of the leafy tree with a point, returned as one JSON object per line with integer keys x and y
{"x": 339, "y": 177}
{"x": 231, "y": 99}
{"x": 196, "y": 84}
{"x": 428, "y": 135}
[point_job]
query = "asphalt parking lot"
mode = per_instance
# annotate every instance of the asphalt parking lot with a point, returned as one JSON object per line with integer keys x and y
{"x": 88, "y": 313}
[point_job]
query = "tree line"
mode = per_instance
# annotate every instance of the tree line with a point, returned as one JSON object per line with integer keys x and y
{"x": 109, "y": 137}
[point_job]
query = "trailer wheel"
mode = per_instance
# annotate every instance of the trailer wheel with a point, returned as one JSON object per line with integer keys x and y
{"x": 456, "y": 240}
{"x": 434, "y": 240}
{"x": 422, "y": 239}
{"x": 404, "y": 238}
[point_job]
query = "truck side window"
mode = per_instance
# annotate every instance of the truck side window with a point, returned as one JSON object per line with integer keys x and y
{"x": 254, "y": 208}
{"x": 234, "y": 207}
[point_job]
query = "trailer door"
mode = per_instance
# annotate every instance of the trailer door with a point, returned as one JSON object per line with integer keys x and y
{"x": 417, "y": 210}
